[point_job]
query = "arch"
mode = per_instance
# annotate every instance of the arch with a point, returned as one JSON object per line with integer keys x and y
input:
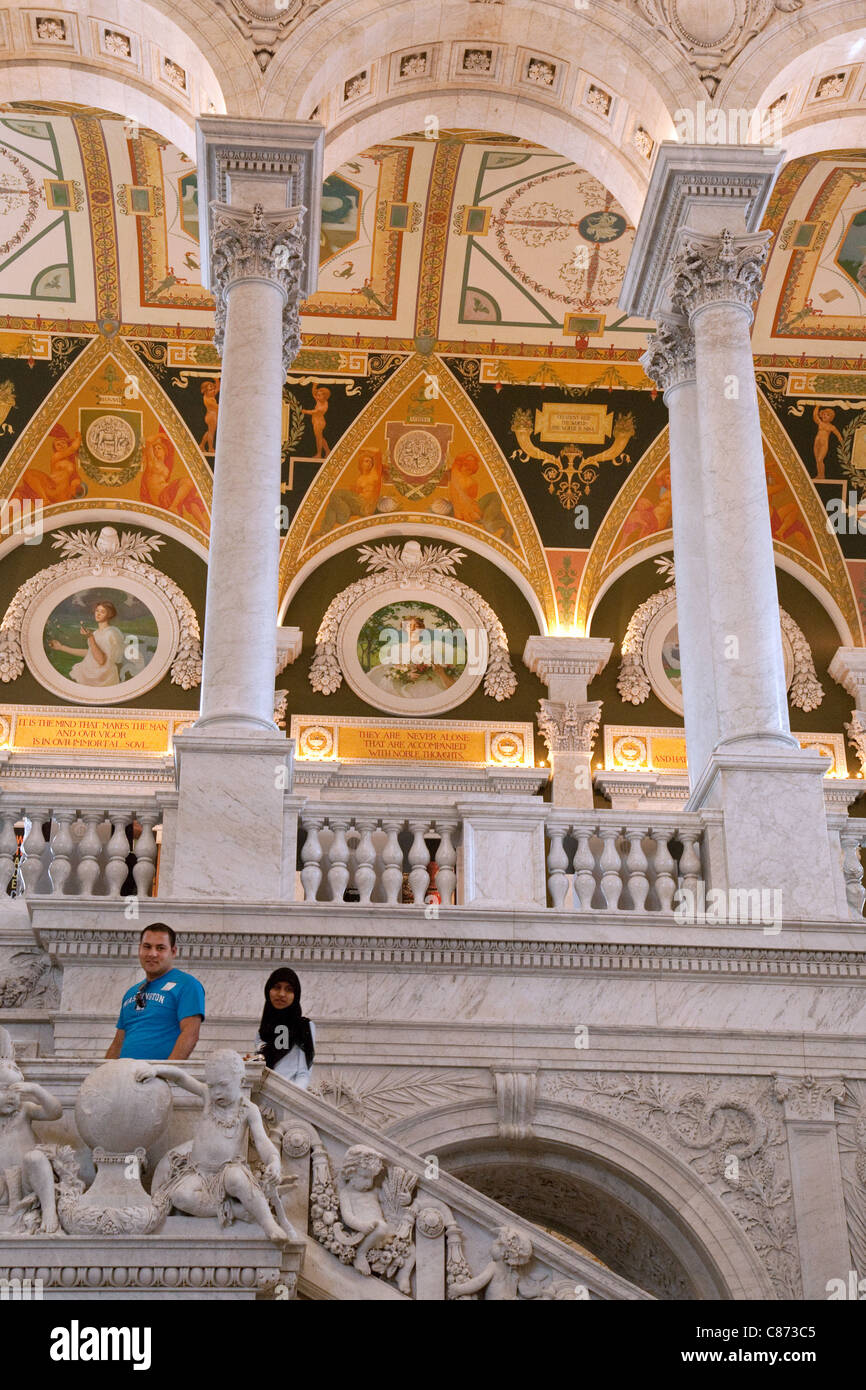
{"x": 692, "y": 1221}
{"x": 299, "y": 547}
{"x": 55, "y": 83}
{"x": 765, "y": 59}
{"x": 61, "y": 397}
{"x": 435, "y": 533}
{"x": 500, "y": 113}
{"x": 113, "y": 516}
{"x": 834, "y": 132}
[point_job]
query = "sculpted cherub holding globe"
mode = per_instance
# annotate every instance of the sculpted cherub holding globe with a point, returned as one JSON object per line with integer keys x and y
{"x": 212, "y": 1176}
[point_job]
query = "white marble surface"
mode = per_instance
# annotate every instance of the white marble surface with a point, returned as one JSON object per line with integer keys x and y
{"x": 241, "y": 607}
{"x": 693, "y": 564}
{"x": 232, "y": 838}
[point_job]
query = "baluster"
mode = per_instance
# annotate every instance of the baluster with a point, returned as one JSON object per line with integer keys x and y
{"x": 338, "y": 853}
{"x": 62, "y": 846}
{"x": 419, "y": 858}
{"x": 636, "y": 867}
{"x": 311, "y": 858}
{"x": 365, "y": 858}
{"x": 145, "y": 851}
{"x": 446, "y": 859}
{"x": 392, "y": 858}
{"x": 666, "y": 869}
{"x": 33, "y": 851}
{"x": 117, "y": 850}
{"x": 853, "y": 872}
{"x": 8, "y": 849}
{"x": 89, "y": 850}
{"x": 690, "y": 862}
{"x": 557, "y": 863}
{"x": 611, "y": 866}
{"x": 583, "y": 889}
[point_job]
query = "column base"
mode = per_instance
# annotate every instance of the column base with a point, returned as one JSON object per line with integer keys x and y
{"x": 235, "y": 830}
{"x": 749, "y": 849}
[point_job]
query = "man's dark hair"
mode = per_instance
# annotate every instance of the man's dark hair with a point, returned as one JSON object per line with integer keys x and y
{"x": 160, "y": 927}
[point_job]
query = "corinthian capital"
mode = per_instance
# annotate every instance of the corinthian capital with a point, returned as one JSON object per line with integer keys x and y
{"x": 569, "y": 727}
{"x": 670, "y": 356}
{"x": 809, "y": 1097}
{"x": 258, "y": 245}
{"x": 723, "y": 269}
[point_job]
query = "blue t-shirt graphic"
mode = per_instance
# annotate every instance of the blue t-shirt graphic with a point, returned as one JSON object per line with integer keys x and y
{"x": 152, "y": 1032}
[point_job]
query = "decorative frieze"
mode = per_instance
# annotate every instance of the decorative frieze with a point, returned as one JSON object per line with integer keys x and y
{"x": 708, "y": 962}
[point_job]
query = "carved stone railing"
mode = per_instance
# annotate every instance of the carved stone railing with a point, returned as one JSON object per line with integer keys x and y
{"x": 615, "y": 861}
{"x": 79, "y": 844}
{"x": 366, "y": 857}
{"x": 326, "y": 1204}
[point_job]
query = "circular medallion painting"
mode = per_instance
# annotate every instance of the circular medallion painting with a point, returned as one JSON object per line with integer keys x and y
{"x": 411, "y": 656}
{"x": 602, "y": 226}
{"x": 662, "y": 658}
{"x": 99, "y": 643}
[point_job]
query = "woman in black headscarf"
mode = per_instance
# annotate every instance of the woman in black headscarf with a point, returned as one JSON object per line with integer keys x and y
{"x": 286, "y": 1040}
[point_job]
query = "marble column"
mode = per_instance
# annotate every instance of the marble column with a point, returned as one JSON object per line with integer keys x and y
{"x": 567, "y": 719}
{"x": 715, "y": 284}
{"x": 816, "y": 1179}
{"x": 697, "y": 261}
{"x": 234, "y": 831}
{"x": 670, "y": 361}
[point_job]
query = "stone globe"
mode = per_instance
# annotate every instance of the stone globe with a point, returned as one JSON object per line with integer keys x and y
{"x": 119, "y": 1112}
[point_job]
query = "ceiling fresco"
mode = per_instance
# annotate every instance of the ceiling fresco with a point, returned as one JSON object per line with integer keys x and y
{"x": 465, "y": 374}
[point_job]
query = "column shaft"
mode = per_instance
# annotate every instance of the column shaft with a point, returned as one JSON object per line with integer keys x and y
{"x": 241, "y": 612}
{"x": 744, "y": 602}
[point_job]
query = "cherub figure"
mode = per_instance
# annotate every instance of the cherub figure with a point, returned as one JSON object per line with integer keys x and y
{"x": 321, "y": 396}
{"x": 823, "y": 415}
{"x": 25, "y": 1166}
{"x": 211, "y": 1176}
{"x": 501, "y": 1279}
{"x": 361, "y": 1210}
{"x": 210, "y": 401}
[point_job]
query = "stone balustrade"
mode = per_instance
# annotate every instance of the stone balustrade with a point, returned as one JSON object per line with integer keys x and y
{"x": 348, "y": 857}
{"x": 600, "y": 860}
{"x": 852, "y": 836}
{"x": 78, "y": 845}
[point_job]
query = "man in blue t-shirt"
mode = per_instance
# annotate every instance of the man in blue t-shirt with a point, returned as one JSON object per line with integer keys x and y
{"x": 160, "y": 1018}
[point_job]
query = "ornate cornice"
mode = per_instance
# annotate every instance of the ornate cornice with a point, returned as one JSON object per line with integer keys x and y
{"x": 723, "y": 269}
{"x": 569, "y": 727}
{"x": 413, "y": 952}
{"x": 670, "y": 357}
{"x": 258, "y": 245}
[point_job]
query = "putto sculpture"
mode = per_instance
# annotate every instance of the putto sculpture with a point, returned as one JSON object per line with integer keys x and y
{"x": 210, "y": 1175}
{"x": 26, "y": 1172}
